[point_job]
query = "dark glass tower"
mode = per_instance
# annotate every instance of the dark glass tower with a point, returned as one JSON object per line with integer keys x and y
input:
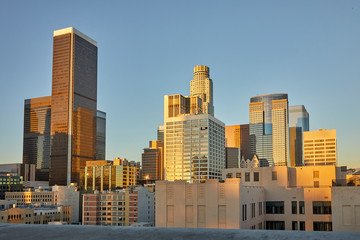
{"x": 298, "y": 123}
{"x": 36, "y": 145}
{"x": 100, "y": 135}
{"x": 73, "y": 105}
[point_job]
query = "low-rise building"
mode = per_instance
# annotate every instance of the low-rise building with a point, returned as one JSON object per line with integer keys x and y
{"x": 274, "y": 198}
{"x": 103, "y": 175}
{"x": 119, "y": 208}
{"x": 58, "y": 195}
{"x": 39, "y": 214}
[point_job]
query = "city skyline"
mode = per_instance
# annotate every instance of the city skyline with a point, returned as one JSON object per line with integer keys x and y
{"x": 315, "y": 68}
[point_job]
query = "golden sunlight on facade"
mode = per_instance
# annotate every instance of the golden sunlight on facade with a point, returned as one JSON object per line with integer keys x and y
{"x": 320, "y": 147}
{"x": 273, "y": 198}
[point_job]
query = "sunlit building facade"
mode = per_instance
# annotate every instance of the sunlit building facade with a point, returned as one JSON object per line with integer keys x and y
{"x": 73, "y": 105}
{"x": 119, "y": 208}
{"x": 194, "y": 139}
{"x": 269, "y": 129}
{"x": 104, "y": 175}
{"x": 152, "y": 161}
{"x": 36, "y": 215}
{"x": 298, "y": 123}
{"x": 36, "y": 141}
{"x": 57, "y": 196}
{"x": 237, "y": 136}
{"x": 320, "y": 147}
{"x": 202, "y": 87}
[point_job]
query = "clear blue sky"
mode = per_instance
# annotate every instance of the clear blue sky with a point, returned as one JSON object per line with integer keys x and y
{"x": 308, "y": 49}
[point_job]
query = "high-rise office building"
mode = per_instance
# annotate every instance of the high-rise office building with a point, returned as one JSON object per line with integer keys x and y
{"x": 100, "y": 135}
{"x": 202, "y": 86}
{"x": 237, "y": 136}
{"x": 269, "y": 121}
{"x": 153, "y": 161}
{"x": 194, "y": 139}
{"x": 160, "y": 133}
{"x": 320, "y": 147}
{"x": 73, "y": 105}
{"x": 298, "y": 123}
{"x": 36, "y": 142}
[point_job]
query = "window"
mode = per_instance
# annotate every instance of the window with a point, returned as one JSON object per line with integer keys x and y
{"x": 322, "y": 207}
{"x": 294, "y": 225}
{"x": 322, "y": 226}
{"x": 229, "y": 175}
{"x": 301, "y": 207}
{"x": 275, "y": 207}
{"x": 260, "y": 209}
{"x": 253, "y": 210}
{"x": 244, "y": 214}
{"x": 247, "y": 177}
{"x": 294, "y": 207}
{"x": 316, "y": 174}
{"x": 238, "y": 175}
{"x": 256, "y": 176}
{"x": 275, "y": 225}
{"x": 302, "y": 226}
{"x": 274, "y": 175}
{"x": 316, "y": 184}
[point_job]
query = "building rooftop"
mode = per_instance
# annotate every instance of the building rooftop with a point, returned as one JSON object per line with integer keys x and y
{"x": 68, "y": 232}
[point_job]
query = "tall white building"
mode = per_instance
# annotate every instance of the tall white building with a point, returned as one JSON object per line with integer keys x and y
{"x": 194, "y": 140}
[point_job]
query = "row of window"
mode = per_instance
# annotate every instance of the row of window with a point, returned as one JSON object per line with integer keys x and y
{"x": 280, "y": 225}
{"x": 319, "y": 207}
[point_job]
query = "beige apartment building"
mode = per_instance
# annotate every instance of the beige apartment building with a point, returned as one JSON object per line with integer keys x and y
{"x": 274, "y": 198}
{"x": 319, "y": 147}
{"x": 36, "y": 215}
{"x": 58, "y": 195}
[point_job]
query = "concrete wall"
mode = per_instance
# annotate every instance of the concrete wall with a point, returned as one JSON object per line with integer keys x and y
{"x": 68, "y": 232}
{"x": 346, "y": 209}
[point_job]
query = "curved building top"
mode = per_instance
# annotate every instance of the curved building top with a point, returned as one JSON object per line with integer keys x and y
{"x": 272, "y": 96}
{"x": 201, "y": 68}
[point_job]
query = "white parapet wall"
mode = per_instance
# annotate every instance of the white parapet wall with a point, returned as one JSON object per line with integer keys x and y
{"x": 68, "y": 232}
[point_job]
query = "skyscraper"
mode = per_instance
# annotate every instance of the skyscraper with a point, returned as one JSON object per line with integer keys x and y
{"x": 268, "y": 115}
{"x": 298, "y": 123}
{"x": 237, "y": 136}
{"x": 36, "y": 142}
{"x": 100, "y": 135}
{"x": 194, "y": 139}
{"x": 152, "y": 161}
{"x": 202, "y": 86}
{"x": 160, "y": 133}
{"x": 73, "y": 105}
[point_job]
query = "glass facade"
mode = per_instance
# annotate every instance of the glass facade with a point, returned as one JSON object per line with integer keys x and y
{"x": 194, "y": 148}
{"x": 100, "y": 135}
{"x": 74, "y": 99}
{"x": 36, "y": 142}
{"x": 298, "y": 123}
{"x": 268, "y": 116}
{"x": 10, "y": 184}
